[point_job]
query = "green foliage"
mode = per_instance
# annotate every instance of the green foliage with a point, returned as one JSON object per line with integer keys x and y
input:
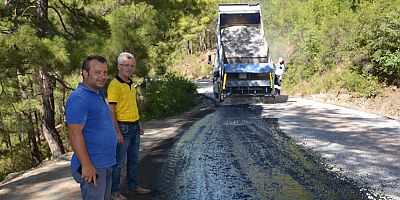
{"x": 168, "y": 96}
{"x": 185, "y": 27}
{"x": 331, "y": 81}
{"x": 27, "y": 45}
{"x": 377, "y": 39}
{"x": 319, "y": 36}
{"x": 14, "y": 161}
{"x": 365, "y": 86}
{"x": 133, "y": 30}
{"x": 157, "y": 31}
{"x": 201, "y": 70}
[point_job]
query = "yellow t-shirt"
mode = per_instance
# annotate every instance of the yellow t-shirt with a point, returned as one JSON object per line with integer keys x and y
{"x": 124, "y": 95}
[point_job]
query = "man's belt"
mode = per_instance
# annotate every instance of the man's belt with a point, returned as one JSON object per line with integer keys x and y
{"x": 129, "y": 123}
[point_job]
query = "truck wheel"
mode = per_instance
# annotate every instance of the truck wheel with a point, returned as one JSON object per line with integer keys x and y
{"x": 220, "y": 97}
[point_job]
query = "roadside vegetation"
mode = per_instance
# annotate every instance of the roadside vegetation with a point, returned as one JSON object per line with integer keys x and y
{"x": 336, "y": 46}
{"x": 168, "y": 96}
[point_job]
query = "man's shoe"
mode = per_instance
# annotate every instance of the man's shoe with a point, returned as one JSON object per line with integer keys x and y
{"x": 117, "y": 196}
{"x": 140, "y": 191}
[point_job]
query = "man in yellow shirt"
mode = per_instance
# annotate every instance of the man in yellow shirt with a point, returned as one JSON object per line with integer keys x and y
{"x": 125, "y": 115}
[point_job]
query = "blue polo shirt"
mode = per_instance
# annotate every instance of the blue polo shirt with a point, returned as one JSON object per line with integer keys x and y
{"x": 89, "y": 108}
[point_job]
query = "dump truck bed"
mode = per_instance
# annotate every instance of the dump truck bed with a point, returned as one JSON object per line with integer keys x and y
{"x": 244, "y": 44}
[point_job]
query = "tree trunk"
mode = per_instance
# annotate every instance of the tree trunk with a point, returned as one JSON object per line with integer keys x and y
{"x": 199, "y": 41}
{"x": 27, "y": 116}
{"x": 61, "y": 108}
{"x": 38, "y": 128}
{"x": 8, "y": 142}
{"x": 34, "y": 149}
{"x": 48, "y": 125}
{"x": 187, "y": 48}
{"x": 47, "y": 86}
{"x": 6, "y": 136}
{"x": 190, "y": 47}
{"x": 42, "y": 7}
{"x": 19, "y": 137}
{"x": 204, "y": 42}
{"x": 208, "y": 42}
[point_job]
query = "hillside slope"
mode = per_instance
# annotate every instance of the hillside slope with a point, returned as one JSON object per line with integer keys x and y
{"x": 386, "y": 104}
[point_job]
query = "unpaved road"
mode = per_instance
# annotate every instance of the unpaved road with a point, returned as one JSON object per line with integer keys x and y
{"x": 262, "y": 151}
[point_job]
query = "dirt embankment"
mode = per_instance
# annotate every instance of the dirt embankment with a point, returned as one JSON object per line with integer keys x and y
{"x": 386, "y": 104}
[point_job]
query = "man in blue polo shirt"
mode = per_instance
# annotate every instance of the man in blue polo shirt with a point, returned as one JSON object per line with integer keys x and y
{"x": 91, "y": 132}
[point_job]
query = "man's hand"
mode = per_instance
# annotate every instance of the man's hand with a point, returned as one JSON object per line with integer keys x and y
{"x": 89, "y": 174}
{"x": 141, "y": 131}
{"x": 79, "y": 147}
{"x": 113, "y": 107}
{"x": 120, "y": 138}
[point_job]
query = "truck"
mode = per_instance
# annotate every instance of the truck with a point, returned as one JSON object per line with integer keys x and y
{"x": 242, "y": 61}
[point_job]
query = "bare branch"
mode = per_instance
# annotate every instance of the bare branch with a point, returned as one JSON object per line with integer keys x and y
{"x": 106, "y": 11}
{"x": 2, "y": 87}
{"x": 62, "y": 82}
{"x": 7, "y": 98}
{"x": 65, "y": 6}
{"x": 5, "y": 31}
{"x": 4, "y": 130}
{"x": 62, "y": 22}
{"x": 23, "y": 12}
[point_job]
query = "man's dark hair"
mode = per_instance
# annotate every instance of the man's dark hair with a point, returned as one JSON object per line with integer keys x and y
{"x": 86, "y": 62}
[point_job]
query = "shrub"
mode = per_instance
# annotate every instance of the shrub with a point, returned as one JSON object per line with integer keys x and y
{"x": 364, "y": 85}
{"x": 168, "y": 96}
{"x": 14, "y": 161}
{"x": 331, "y": 80}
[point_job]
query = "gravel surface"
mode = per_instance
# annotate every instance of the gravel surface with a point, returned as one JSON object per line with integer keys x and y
{"x": 362, "y": 146}
{"x": 243, "y": 42}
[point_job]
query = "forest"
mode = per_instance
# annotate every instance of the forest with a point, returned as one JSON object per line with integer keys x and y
{"x": 336, "y": 45}
{"x": 329, "y": 45}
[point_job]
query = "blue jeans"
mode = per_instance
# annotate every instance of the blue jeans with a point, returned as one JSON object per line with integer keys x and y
{"x": 90, "y": 192}
{"x": 129, "y": 148}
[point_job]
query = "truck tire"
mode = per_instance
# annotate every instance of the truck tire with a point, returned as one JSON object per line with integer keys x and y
{"x": 220, "y": 97}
